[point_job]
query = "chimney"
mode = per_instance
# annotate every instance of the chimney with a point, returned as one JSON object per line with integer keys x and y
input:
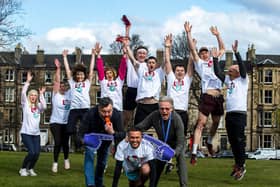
{"x": 78, "y": 53}
{"x": 248, "y": 53}
{"x": 159, "y": 55}
{"x": 229, "y": 57}
{"x": 18, "y": 52}
{"x": 40, "y": 56}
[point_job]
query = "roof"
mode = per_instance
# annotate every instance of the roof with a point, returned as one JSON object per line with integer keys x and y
{"x": 268, "y": 59}
{"x": 7, "y": 58}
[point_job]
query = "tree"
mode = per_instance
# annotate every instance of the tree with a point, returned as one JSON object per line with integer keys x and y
{"x": 134, "y": 43}
{"x": 10, "y": 32}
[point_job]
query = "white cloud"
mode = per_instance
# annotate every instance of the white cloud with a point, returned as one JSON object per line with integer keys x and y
{"x": 245, "y": 26}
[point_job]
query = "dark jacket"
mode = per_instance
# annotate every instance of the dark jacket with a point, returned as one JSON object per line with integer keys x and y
{"x": 176, "y": 134}
{"x": 92, "y": 122}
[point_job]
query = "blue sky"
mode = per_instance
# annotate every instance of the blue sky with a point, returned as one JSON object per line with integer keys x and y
{"x": 60, "y": 24}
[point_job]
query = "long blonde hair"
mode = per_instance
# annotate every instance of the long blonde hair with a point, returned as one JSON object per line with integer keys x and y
{"x": 33, "y": 91}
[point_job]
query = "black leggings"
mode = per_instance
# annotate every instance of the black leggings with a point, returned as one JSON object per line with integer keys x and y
{"x": 61, "y": 139}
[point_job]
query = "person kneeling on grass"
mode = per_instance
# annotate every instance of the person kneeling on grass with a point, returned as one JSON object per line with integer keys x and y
{"x": 137, "y": 157}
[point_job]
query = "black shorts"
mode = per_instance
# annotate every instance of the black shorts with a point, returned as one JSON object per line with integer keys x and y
{"x": 211, "y": 105}
{"x": 129, "y": 102}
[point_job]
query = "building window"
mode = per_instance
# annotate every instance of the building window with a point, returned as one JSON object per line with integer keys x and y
{"x": 9, "y": 94}
{"x": 260, "y": 76}
{"x": 23, "y": 77}
{"x": 48, "y": 97}
{"x": 9, "y": 115}
{"x": 48, "y": 77}
{"x": 268, "y": 96}
{"x": 268, "y": 76}
{"x": 267, "y": 141}
{"x": 10, "y": 75}
{"x": 265, "y": 119}
{"x": 98, "y": 96}
{"x": 47, "y": 116}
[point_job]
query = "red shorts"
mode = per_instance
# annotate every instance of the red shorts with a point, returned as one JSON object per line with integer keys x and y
{"x": 211, "y": 105}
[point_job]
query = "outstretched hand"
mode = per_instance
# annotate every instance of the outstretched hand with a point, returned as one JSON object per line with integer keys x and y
{"x": 168, "y": 40}
{"x": 57, "y": 63}
{"x": 29, "y": 76}
{"x": 214, "y": 30}
{"x": 65, "y": 53}
{"x": 235, "y": 46}
{"x": 42, "y": 90}
{"x": 98, "y": 48}
{"x": 188, "y": 27}
{"x": 214, "y": 52}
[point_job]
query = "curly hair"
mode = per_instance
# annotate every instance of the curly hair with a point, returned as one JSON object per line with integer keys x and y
{"x": 79, "y": 68}
{"x": 112, "y": 70}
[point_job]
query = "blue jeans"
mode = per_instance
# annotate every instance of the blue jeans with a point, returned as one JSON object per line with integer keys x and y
{"x": 95, "y": 176}
{"x": 32, "y": 143}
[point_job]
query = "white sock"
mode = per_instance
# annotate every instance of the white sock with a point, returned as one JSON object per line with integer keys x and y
{"x": 194, "y": 148}
{"x": 209, "y": 140}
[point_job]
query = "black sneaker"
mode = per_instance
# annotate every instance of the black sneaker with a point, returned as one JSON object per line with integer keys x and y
{"x": 169, "y": 167}
{"x": 193, "y": 159}
{"x": 239, "y": 174}
{"x": 234, "y": 170}
{"x": 210, "y": 149}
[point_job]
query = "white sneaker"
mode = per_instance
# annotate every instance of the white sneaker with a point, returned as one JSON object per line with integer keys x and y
{"x": 66, "y": 164}
{"x": 54, "y": 167}
{"x": 32, "y": 173}
{"x": 23, "y": 172}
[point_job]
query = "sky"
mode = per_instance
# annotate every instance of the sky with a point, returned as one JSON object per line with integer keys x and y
{"x": 65, "y": 24}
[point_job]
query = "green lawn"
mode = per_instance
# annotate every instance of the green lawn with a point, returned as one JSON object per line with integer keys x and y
{"x": 208, "y": 173}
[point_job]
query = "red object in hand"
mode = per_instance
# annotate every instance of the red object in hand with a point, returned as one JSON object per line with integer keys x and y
{"x": 119, "y": 38}
{"x": 108, "y": 121}
{"x": 125, "y": 20}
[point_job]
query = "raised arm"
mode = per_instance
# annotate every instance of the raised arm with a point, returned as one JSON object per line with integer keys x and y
{"x": 99, "y": 63}
{"x": 217, "y": 68}
{"x": 42, "y": 104}
{"x": 190, "y": 67}
{"x": 66, "y": 64}
{"x": 123, "y": 65}
{"x": 56, "y": 83}
{"x": 91, "y": 65}
{"x": 167, "y": 47}
{"x": 192, "y": 47}
{"x": 242, "y": 66}
{"x": 215, "y": 32}
{"x": 130, "y": 54}
{"x": 25, "y": 87}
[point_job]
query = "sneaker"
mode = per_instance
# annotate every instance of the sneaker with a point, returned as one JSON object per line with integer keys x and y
{"x": 32, "y": 173}
{"x": 54, "y": 167}
{"x": 66, "y": 164}
{"x": 210, "y": 149}
{"x": 169, "y": 167}
{"x": 193, "y": 159}
{"x": 234, "y": 170}
{"x": 23, "y": 172}
{"x": 239, "y": 174}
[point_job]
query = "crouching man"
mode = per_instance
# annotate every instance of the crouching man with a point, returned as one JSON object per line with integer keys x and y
{"x": 137, "y": 158}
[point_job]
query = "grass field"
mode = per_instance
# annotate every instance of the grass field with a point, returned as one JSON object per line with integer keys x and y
{"x": 208, "y": 173}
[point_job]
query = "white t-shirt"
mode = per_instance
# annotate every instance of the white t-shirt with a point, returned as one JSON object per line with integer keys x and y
{"x": 31, "y": 116}
{"x": 237, "y": 90}
{"x": 79, "y": 94}
{"x": 131, "y": 75}
{"x": 134, "y": 158}
{"x": 113, "y": 89}
{"x": 60, "y": 107}
{"x": 149, "y": 85}
{"x": 179, "y": 91}
{"x": 209, "y": 80}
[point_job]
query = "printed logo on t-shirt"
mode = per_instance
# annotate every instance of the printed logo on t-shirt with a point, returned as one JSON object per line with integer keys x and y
{"x": 134, "y": 160}
{"x": 112, "y": 85}
{"x": 66, "y": 104}
{"x": 230, "y": 87}
{"x": 79, "y": 86}
{"x": 149, "y": 76}
{"x": 177, "y": 85}
{"x": 35, "y": 112}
